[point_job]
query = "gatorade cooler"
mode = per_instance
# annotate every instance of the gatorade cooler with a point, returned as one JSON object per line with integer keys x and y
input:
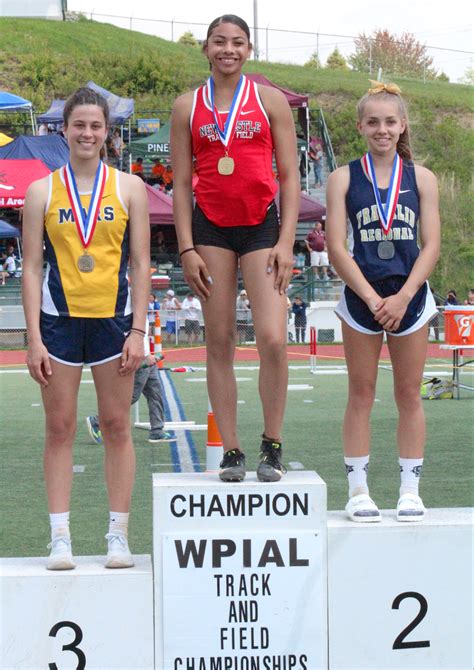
{"x": 459, "y": 326}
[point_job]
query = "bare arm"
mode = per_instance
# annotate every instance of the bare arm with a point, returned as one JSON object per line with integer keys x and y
{"x": 394, "y": 308}
{"x": 336, "y": 233}
{"x": 136, "y": 198}
{"x": 195, "y": 271}
{"x": 37, "y": 358}
{"x": 284, "y": 140}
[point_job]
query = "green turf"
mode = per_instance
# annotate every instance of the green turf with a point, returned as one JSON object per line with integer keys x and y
{"x": 312, "y": 436}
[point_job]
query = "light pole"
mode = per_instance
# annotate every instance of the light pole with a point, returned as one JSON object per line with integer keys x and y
{"x": 255, "y": 30}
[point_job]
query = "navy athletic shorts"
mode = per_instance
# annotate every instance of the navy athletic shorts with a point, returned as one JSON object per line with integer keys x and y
{"x": 354, "y": 311}
{"x": 239, "y": 239}
{"x": 75, "y": 340}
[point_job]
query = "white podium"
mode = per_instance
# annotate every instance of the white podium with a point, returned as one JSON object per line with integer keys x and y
{"x": 89, "y": 617}
{"x": 240, "y": 572}
{"x": 400, "y": 594}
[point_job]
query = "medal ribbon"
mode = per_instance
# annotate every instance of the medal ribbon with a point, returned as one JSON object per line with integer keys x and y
{"x": 85, "y": 226}
{"x": 387, "y": 211}
{"x": 226, "y": 134}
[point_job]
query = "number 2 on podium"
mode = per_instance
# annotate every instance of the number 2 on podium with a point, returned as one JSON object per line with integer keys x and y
{"x": 400, "y": 640}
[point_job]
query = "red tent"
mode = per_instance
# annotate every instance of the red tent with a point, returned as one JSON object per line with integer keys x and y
{"x": 294, "y": 99}
{"x": 15, "y": 177}
{"x": 160, "y": 206}
{"x": 311, "y": 210}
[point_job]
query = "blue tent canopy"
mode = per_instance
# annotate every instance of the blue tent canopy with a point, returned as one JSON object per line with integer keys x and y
{"x": 53, "y": 150}
{"x": 120, "y": 108}
{"x": 54, "y": 113}
{"x": 13, "y": 103}
{"x": 7, "y": 230}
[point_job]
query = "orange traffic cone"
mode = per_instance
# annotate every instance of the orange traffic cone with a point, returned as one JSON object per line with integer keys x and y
{"x": 214, "y": 446}
{"x": 158, "y": 349}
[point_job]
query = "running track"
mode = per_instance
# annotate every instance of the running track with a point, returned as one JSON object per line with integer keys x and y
{"x": 198, "y": 354}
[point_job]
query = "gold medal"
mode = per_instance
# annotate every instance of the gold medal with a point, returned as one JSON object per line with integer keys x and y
{"x": 85, "y": 263}
{"x": 225, "y": 165}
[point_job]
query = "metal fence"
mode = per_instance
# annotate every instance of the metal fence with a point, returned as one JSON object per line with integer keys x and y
{"x": 283, "y": 45}
{"x": 183, "y": 331}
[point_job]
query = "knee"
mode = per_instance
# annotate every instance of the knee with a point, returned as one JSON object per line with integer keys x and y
{"x": 361, "y": 395}
{"x": 272, "y": 347}
{"x": 408, "y": 397}
{"x": 60, "y": 430}
{"x": 115, "y": 428}
{"x": 221, "y": 345}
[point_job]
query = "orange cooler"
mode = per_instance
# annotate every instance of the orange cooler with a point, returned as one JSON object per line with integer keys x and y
{"x": 459, "y": 326}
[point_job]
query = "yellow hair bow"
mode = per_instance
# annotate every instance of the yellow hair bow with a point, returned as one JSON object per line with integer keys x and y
{"x": 379, "y": 87}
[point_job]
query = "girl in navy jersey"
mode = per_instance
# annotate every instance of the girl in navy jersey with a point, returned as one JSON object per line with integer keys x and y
{"x": 231, "y": 127}
{"x": 390, "y": 203}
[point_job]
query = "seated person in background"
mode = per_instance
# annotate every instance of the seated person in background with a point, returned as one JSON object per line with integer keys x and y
{"x": 137, "y": 168}
{"x": 168, "y": 178}
{"x": 9, "y": 264}
{"x": 451, "y": 298}
{"x": 470, "y": 297}
{"x": 157, "y": 172}
{"x": 160, "y": 242}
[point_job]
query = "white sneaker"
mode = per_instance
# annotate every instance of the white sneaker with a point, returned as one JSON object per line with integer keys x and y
{"x": 362, "y": 508}
{"x": 60, "y": 557}
{"x": 410, "y": 508}
{"x": 118, "y": 554}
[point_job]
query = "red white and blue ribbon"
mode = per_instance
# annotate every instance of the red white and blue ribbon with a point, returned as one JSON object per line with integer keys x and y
{"x": 85, "y": 223}
{"x": 226, "y": 134}
{"x": 387, "y": 211}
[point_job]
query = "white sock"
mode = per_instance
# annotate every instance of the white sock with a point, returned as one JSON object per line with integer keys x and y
{"x": 118, "y": 523}
{"x": 410, "y": 474}
{"x": 357, "y": 468}
{"x": 59, "y": 525}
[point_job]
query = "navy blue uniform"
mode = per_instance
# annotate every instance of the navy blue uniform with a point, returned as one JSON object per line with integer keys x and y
{"x": 365, "y": 235}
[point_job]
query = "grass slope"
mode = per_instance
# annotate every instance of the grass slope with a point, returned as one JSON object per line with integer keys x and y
{"x": 42, "y": 59}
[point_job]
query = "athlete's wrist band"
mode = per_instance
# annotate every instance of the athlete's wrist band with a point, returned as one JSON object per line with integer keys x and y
{"x": 137, "y": 330}
{"x": 181, "y": 253}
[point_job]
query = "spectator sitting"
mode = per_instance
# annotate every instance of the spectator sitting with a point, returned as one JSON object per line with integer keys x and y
{"x": 9, "y": 264}
{"x": 160, "y": 243}
{"x": 116, "y": 146}
{"x": 168, "y": 178}
{"x": 157, "y": 172}
{"x": 451, "y": 298}
{"x": 137, "y": 168}
{"x": 470, "y": 297}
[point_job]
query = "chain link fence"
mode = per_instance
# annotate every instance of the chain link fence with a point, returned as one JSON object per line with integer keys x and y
{"x": 179, "y": 330}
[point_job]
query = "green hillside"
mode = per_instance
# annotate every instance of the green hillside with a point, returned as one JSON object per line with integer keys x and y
{"x": 41, "y": 60}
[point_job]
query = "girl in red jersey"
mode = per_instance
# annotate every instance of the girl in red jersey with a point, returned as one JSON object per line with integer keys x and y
{"x": 231, "y": 127}
{"x": 387, "y": 198}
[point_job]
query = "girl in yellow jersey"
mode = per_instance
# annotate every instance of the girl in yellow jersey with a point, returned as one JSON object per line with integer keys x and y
{"x": 92, "y": 222}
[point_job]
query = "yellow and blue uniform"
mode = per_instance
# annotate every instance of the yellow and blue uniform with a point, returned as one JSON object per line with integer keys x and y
{"x": 67, "y": 291}
{"x": 85, "y": 316}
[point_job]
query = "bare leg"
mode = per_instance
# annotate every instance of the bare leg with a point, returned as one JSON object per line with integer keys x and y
{"x": 60, "y": 405}
{"x": 219, "y": 318}
{"x": 114, "y": 394}
{"x": 269, "y": 310}
{"x": 362, "y": 357}
{"x": 408, "y": 356}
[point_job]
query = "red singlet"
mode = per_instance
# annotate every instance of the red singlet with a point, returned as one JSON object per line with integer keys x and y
{"x": 242, "y": 198}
